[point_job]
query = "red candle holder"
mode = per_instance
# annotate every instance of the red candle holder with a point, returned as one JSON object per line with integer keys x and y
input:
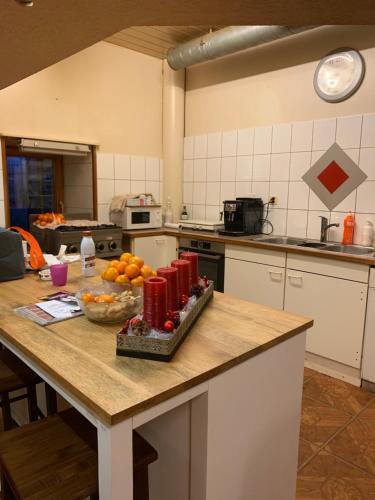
{"x": 155, "y": 301}
{"x": 183, "y": 267}
{"x": 192, "y": 257}
{"x": 171, "y": 275}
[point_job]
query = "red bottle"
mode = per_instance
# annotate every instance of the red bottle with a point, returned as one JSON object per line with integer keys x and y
{"x": 349, "y": 224}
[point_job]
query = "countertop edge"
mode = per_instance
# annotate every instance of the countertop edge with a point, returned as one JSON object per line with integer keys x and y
{"x": 231, "y": 240}
{"x": 112, "y": 419}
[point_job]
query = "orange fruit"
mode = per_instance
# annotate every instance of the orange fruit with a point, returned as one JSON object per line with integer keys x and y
{"x": 132, "y": 271}
{"x": 121, "y": 267}
{"x": 154, "y": 273}
{"x": 125, "y": 257}
{"x": 146, "y": 271}
{"x": 88, "y": 297}
{"x": 114, "y": 263}
{"x": 139, "y": 281}
{"x": 137, "y": 261}
{"x": 110, "y": 274}
{"x": 104, "y": 298}
{"x": 122, "y": 279}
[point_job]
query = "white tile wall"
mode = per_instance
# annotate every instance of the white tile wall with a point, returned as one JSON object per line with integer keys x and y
{"x": 270, "y": 161}
{"x": 123, "y": 174}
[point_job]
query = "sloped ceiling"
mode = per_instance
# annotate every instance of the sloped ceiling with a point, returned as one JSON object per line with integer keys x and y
{"x": 156, "y": 40}
{"x": 32, "y": 38}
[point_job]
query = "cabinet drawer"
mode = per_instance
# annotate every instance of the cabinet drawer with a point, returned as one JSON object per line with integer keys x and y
{"x": 251, "y": 254}
{"x": 326, "y": 267}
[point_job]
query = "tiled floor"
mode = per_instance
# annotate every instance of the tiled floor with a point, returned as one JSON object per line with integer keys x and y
{"x": 337, "y": 441}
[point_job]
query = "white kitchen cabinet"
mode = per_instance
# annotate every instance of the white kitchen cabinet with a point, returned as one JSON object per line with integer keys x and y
{"x": 255, "y": 282}
{"x": 156, "y": 251}
{"x": 338, "y": 307}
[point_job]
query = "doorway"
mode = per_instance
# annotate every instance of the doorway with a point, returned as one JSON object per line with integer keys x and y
{"x": 35, "y": 185}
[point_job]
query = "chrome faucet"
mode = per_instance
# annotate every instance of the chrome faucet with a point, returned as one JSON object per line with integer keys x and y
{"x": 324, "y": 228}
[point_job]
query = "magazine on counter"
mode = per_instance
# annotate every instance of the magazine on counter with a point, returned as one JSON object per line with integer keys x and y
{"x": 56, "y": 307}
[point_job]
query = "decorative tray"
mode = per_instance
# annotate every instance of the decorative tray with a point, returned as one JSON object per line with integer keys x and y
{"x": 163, "y": 349}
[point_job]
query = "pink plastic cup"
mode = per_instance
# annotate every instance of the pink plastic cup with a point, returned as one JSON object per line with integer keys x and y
{"x": 59, "y": 274}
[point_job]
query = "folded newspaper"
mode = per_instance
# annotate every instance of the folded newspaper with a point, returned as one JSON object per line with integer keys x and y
{"x": 52, "y": 308}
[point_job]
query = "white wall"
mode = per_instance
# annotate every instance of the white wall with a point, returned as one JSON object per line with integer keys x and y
{"x": 270, "y": 161}
{"x": 105, "y": 95}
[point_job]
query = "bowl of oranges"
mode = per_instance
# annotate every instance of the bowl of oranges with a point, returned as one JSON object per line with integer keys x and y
{"x": 129, "y": 269}
{"x": 110, "y": 302}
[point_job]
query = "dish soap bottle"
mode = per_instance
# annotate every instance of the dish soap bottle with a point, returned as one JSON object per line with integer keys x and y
{"x": 367, "y": 237}
{"x": 88, "y": 254}
{"x": 349, "y": 222}
{"x": 168, "y": 212}
{"x": 184, "y": 213}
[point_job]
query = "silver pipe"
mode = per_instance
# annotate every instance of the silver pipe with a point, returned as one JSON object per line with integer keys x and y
{"x": 226, "y": 41}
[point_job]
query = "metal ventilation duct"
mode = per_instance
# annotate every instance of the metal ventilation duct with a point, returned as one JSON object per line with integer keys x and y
{"x": 226, "y": 41}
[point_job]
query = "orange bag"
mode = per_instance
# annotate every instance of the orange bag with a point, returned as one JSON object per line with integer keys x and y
{"x": 37, "y": 261}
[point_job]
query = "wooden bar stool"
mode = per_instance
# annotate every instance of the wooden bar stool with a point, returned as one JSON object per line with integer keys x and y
{"x": 56, "y": 458}
{"x": 15, "y": 375}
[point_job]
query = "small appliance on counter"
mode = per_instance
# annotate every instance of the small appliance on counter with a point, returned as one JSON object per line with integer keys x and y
{"x": 12, "y": 261}
{"x": 107, "y": 237}
{"x": 138, "y": 217}
{"x": 201, "y": 225}
{"x": 243, "y": 216}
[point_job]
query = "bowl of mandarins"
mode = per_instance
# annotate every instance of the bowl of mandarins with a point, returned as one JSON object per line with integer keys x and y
{"x": 129, "y": 269}
{"x": 110, "y": 302}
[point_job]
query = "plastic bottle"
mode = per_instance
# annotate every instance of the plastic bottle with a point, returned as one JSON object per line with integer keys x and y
{"x": 184, "y": 213}
{"x": 88, "y": 254}
{"x": 367, "y": 237}
{"x": 348, "y": 235}
{"x": 168, "y": 212}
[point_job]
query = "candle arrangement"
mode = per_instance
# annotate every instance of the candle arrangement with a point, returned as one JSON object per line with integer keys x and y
{"x": 172, "y": 301}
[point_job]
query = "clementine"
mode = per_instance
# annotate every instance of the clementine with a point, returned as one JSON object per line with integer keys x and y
{"x": 104, "y": 298}
{"x": 137, "y": 261}
{"x": 110, "y": 274}
{"x": 114, "y": 263}
{"x": 132, "y": 271}
{"x": 139, "y": 281}
{"x": 121, "y": 267}
{"x": 122, "y": 279}
{"x": 125, "y": 257}
{"x": 146, "y": 271}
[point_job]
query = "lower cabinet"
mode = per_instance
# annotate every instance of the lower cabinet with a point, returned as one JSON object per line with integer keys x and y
{"x": 156, "y": 251}
{"x": 255, "y": 282}
{"x": 338, "y": 307}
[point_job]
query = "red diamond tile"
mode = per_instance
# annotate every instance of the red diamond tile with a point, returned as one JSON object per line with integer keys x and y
{"x": 333, "y": 176}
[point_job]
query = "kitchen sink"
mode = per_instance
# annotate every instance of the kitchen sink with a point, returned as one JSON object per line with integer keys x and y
{"x": 313, "y": 244}
{"x": 351, "y": 249}
{"x": 282, "y": 240}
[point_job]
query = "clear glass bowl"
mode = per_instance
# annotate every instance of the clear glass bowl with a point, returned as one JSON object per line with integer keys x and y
{"x": 117, "y": 311}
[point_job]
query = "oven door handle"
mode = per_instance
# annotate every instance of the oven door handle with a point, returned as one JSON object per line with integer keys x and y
{"x": 210, "y": 257}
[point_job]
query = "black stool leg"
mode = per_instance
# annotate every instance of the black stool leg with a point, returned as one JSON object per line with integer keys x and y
{"x": 51, "y": 400}
{"x": 32, "y": 403}
{"x": 140, "y": 484}
{"x": 5, "y": 410}
{"x": 6, "y": 492}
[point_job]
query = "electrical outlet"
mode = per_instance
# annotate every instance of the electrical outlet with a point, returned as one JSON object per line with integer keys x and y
{"x": 274, "y": 200}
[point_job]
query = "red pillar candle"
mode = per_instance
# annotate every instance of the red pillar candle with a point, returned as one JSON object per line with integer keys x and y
{"x": 171, "y": 275}
{"x": 155, "y": 301}
{"x": 184, "y": 283}
{"x": 192, "y": 257}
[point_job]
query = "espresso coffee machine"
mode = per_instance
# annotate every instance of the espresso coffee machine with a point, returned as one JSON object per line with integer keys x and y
{"x": 243, "y": 216}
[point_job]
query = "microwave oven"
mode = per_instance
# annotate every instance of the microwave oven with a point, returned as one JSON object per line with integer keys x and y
{"x": 140, "y": 217}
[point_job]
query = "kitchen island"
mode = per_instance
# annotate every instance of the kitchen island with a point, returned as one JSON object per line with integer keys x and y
{"x": 223, "y": 414}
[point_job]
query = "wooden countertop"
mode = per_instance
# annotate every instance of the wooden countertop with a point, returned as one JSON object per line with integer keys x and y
{"x": 368, "y": 260}
{"x": 80, "y": 355}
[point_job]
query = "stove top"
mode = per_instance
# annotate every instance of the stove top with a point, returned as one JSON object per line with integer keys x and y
{"x": 69, "y": 229}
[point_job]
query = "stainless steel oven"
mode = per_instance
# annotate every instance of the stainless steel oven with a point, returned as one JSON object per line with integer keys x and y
{"x": 211, "y": 259}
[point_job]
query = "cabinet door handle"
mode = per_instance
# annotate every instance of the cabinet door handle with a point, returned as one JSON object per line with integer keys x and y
{"x": 275, "y": 273}
{"x": 295, "y": 277}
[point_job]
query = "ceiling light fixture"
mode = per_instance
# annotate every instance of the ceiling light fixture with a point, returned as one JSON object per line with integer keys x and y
{"x": 26, "y": 3}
